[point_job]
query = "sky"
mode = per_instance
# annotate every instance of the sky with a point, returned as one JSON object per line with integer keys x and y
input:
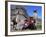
{"x": 30, "y": 10}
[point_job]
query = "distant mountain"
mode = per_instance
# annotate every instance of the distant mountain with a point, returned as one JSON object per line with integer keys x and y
{"x": 39, "y": 19}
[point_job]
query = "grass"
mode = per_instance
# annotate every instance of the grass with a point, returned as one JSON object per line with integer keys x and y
{"x": 39, "y": 26}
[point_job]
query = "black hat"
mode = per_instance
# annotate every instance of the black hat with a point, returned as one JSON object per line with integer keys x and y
{"x": 35, "y": 11}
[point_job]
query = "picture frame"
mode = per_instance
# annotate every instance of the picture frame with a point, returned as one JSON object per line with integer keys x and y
{"x": 11, "y": 5}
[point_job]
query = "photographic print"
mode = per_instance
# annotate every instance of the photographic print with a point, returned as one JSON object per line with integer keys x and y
{"x": 25, "y": 18}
